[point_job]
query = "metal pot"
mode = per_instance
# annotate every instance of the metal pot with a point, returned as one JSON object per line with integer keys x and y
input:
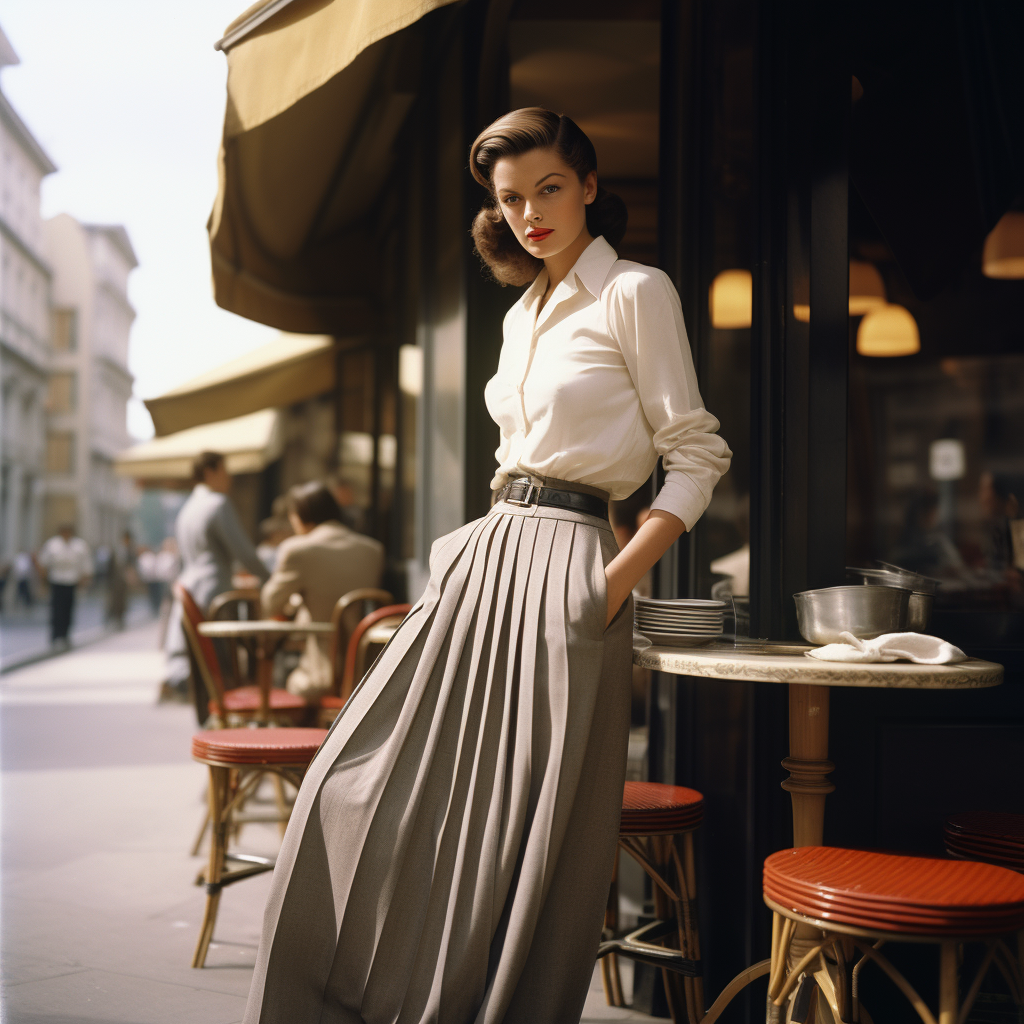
{"x": 922, "y": 590}
{"x": 865, "y": 612}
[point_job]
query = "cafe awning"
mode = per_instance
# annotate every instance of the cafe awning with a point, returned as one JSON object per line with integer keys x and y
{"x": 317, "y": 95}
{"x": 289, "y": 369}
{"x": 248, "y": 443}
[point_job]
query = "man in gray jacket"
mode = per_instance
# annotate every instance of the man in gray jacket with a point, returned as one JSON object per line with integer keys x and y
{"x": 210, "y": 541}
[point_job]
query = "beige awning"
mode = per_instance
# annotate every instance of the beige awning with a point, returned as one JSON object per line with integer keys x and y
{"x": 317, "y": 95}
{"x": 248, "y": 443}
{"x": 291, "y": 368}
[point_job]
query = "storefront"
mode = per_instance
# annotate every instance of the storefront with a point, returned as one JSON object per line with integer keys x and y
{"x": 832, "y": 189}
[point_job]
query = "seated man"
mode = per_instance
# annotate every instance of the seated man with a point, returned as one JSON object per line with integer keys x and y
{"x": 323, "y": 561}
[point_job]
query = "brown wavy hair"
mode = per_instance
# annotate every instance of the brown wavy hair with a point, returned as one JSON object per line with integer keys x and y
{"x": 513, "y": 134}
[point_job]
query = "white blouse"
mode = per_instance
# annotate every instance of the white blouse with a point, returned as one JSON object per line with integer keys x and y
{"x": 601, "y": 383}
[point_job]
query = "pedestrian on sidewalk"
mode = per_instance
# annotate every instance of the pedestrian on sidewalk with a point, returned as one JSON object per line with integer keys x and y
{"x": 210, "y": 541}
{"x": 65, "y": 561}
{"x": 23, "y": 569}
{"x": 120, "y": 579}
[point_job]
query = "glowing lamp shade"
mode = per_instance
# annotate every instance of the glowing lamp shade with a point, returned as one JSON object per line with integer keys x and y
{"x": 731, "y": 299}
{"x": 1003, "y": 255}
{"x": 867, "y": 290}
{"x": 889, "y": 330}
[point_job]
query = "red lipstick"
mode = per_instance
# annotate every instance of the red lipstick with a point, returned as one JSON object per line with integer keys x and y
{"x": 536, "y": 234}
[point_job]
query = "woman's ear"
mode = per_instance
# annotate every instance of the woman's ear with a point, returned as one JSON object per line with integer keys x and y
{"x": 590, "y": 188}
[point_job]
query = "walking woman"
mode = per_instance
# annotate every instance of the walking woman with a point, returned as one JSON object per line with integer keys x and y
{"x": 450, "y": 851}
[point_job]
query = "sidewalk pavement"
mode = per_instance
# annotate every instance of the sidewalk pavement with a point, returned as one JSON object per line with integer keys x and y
{"x": 100, "y": 805}
{"x": 25, "y": 632}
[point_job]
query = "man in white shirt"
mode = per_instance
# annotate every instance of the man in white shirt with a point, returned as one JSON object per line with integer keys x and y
{"x": 65, "y": 561}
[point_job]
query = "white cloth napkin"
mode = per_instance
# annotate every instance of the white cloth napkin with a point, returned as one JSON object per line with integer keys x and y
{"x": 925, "y": 650}
{"x": 640, "y": 642}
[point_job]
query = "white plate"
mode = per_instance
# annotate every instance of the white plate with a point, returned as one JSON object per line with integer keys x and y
{"x": 696, "y": 630}
{"x": 668, "y": 621}
{"x": 644, "y": 613}
{"x": 672, "y": 640}
{"x": 694, "y": 604}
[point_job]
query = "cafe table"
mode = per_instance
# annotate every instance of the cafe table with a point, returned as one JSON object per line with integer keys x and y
{"x": 268, "y": 635}
{"x": 809, "y": 681}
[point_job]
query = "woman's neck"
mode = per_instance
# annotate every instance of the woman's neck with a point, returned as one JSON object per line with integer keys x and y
{"x": 559, "y": 265}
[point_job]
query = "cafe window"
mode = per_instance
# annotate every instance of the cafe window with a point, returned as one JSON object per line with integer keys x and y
{"x": 65, "y": 330}
{"x": 936, "y": 441}
{"x": 62, "y": 393}
{"x": 60, "y": 452}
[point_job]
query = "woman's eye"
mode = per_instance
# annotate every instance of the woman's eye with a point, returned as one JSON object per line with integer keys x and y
{"x": 549, "y": 189}
{"x": 509, "y": 200}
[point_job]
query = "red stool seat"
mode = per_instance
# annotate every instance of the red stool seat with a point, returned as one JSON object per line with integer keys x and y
{"x": 652, "y": 808}
{"x": 892, "y": 892}
{"x": 257, "y": 746}
{"x": 992, "y": 836}
{"x": 247, "y": 699}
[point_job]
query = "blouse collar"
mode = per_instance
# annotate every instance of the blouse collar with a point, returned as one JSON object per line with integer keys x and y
{"x": 591, "y": 268}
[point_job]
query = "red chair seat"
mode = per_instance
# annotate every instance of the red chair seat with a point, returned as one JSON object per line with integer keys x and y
{"x": 257, "y": 746}
{"x": 245, "y": 699}
{"x": 987, "y": 835}
{"x": 332, "y": 701}
{"x": 649, "y": 808}
{"x": 895, "y": 892}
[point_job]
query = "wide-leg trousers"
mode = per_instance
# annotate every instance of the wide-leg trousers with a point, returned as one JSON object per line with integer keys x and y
{"x": 450, "y": 850}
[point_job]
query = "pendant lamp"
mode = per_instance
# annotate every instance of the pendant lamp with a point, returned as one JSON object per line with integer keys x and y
{"x": 867, "y": 289}
{"x": 1003, "y": 255}
{"x": 731, "y": 299}
{"x": 889, "y": 330}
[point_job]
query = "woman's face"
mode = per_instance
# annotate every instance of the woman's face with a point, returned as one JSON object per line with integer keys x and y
{"x": 543, "y": 200}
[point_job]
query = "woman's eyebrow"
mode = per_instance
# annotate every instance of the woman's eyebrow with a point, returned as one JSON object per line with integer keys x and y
{"x": 553, "y": 174}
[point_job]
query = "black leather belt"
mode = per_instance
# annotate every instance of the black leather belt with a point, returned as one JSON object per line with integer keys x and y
{"x": 524, "y": 494}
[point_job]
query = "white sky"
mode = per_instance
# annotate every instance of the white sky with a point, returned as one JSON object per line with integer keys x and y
{"x": 127, "y": 98}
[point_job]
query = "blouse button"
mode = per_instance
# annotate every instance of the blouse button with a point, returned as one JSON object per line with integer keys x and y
{"x": 520, "y": 389}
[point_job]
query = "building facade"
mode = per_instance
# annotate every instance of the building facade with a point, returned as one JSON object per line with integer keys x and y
{"x": 25, "y": 283}
{"x": 89, "y": 383}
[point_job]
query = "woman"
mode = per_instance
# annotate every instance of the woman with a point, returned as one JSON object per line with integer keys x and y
{"x": 449, "y": 854}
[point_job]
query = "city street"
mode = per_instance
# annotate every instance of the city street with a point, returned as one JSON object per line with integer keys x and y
{"x": 25, "y": 632}
{"x": 100, "y": 806}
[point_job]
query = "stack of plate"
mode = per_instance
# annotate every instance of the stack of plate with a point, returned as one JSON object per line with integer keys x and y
{"x": 896, "y": 892}
{"x": 679, "y": 623}
{"x": 987, "y": 835}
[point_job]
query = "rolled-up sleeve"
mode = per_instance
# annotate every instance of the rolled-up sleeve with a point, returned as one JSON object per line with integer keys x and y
{"x": 647, "y": 320}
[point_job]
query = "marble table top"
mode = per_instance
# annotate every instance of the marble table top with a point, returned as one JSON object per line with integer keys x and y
{"x": 787, "y": 663}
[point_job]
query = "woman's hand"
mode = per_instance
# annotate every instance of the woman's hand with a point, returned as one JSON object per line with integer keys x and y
{"x": 627, "y": 568}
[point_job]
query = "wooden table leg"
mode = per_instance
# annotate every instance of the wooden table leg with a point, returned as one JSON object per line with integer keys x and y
{"x": 808, "y": 764}
{"x": 264, "y": 677}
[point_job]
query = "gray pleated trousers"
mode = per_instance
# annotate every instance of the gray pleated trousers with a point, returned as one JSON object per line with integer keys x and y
{"x": 450, "y": 851}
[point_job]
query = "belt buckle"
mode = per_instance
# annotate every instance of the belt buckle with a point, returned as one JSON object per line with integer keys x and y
{"x": 526, "y": 502}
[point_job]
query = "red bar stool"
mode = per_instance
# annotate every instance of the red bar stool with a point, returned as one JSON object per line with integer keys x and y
{"x": 859, "y": 900}
{"x": 653, "y": 815}
{"x": 237, "y": 760}
{"x": 992, "y": 836}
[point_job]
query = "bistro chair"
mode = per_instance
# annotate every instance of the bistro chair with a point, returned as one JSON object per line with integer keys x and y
{"x": 372, "y": 632}
{"x": 992, "y": 836}
{"x": 857, "y": 901}
{"x": 237, "y": 760}
{"x": 653, "y": 816}
{"x": 238, "y": 605}
{"x": 348, "y": 611}
{"x": 237, "y": 706}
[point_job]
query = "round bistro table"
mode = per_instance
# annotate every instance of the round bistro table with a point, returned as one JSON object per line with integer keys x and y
{"x": 809, "y": 681}
{"x": 269, "y": 634}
